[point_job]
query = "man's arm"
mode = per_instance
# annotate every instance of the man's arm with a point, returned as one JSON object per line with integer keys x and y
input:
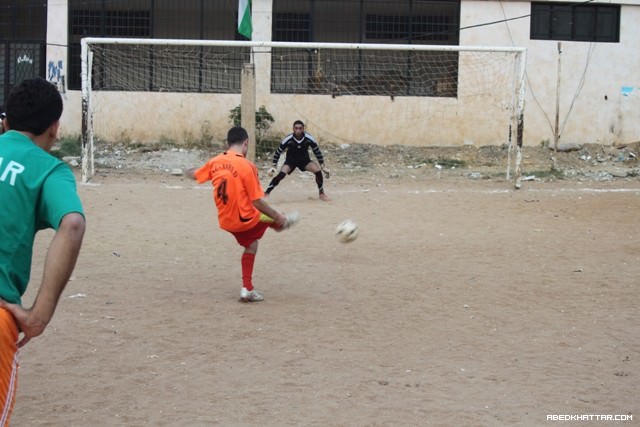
{"x": 282, "y": 147}
{"x": 316, "y": 152}
{"x": 191, "y": 173}
{"x": 264, "y": 207}
{"x": 59, "y": 264}
{"x": 315, "y": 148}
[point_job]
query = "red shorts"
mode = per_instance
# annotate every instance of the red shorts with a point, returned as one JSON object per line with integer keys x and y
{"x": 8, "y": 364}
{"x": 247, "y": 237}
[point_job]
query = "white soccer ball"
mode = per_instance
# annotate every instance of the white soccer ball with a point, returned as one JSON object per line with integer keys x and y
{"x": 347, "y": 231}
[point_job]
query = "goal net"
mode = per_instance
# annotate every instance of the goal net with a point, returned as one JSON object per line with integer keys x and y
{"x": 150, "y": 90}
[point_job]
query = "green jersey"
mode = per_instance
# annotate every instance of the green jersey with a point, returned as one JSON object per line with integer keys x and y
{"x": 36, "y": 191}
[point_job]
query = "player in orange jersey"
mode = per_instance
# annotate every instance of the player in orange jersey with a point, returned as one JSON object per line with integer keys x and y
{"x": 239, "y": 198}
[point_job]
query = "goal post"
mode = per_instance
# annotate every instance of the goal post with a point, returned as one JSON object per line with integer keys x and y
{"x": 384, "y": 94}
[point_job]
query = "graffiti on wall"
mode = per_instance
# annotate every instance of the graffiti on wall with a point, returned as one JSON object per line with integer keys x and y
{"x": 24, "y": 68}
{"x": 55, "y": 74}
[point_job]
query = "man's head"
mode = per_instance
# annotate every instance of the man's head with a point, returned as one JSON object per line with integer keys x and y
{"x": 238, "y": 137}
{"x": 33, "y": 106}
{"x": 298, "y": 128}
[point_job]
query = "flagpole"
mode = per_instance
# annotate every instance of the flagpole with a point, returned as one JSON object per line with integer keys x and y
{"x": 248, "y": 80}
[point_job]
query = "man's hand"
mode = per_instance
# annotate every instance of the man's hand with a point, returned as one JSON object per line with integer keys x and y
{"x": 191, "y": 173}
{"x": 281, "y": 220}
{"x": 327, "y": 172}
{"x": 59, "y": 263}
{"x": 28, "y": 324}
{"x": 271, "y": 172}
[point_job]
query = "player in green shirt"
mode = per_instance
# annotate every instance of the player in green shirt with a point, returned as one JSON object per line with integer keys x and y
{"x": 37, "y": 191}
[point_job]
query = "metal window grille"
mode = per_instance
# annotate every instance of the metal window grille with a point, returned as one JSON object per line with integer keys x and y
{"x": 405, "y": 28}
{"x": 23, "y": 20}
{"x": 168, "y": 68}
{"x": 342, "y": 72}
{"x": 23, "y": 30}
{"x": 187, "y": 19}
{"x": 403, "y": 73}
{"x": 404, "y": 21}
{"x": 575, "y": 22}
{"x": 291, "y": 27}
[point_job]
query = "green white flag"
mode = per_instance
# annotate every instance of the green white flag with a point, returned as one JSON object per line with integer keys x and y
{"x": 244, "y": 18}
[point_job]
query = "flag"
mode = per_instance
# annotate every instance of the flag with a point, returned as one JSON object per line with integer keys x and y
{"x": 244, "y": 18}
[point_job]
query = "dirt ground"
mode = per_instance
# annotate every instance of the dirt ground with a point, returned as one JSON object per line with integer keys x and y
{"x": 587, "y": 162}
{"x": 463, "y": 302}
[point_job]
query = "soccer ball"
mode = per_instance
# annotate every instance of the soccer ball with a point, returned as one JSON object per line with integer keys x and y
{"x": 347, "y": 231}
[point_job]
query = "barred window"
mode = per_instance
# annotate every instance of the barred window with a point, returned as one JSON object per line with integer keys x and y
{"x": 339, "y": 72}
{"x": 111, "y": 23}
{"x": 434, "y": 28}
{"x": 291, "y": 27}
{"x": 405, "y": 28}
{"x": 388, "y": 27}
{"x": 83, "y": 22}
{"x": 370, "y": 21}
{"x": 23, "y": 20}
{"x": 575, "y": 22}
{"x": 135, "y": 23}
{"x": 23, "y": 31}
{"x": 187, "y": 19}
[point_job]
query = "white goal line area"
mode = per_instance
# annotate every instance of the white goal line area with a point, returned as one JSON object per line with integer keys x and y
{"x": 151, "y": 90}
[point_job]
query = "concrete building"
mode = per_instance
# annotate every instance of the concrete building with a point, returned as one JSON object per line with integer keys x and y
{"x": 582, "y": 62}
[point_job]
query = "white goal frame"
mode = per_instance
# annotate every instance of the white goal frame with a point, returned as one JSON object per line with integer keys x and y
{"x": 516, "y": 118}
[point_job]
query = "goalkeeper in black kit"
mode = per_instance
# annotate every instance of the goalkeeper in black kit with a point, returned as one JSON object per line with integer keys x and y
{"x": 297, "y": 145}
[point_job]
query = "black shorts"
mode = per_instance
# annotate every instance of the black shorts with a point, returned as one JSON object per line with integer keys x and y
{"x": 297, "y": 164}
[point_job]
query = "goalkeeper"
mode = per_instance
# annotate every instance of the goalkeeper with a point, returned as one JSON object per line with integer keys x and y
{"x": 297, "y": 145}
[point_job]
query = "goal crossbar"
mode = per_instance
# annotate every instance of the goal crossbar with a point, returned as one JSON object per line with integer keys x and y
{"x": 299, "y": 45}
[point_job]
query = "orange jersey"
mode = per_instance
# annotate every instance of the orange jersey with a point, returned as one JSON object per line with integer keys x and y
{"x": 235, "y": 187}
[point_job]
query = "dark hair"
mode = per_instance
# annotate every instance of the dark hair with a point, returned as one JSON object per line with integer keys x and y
{"x": 33, "y": 106}
{"x": 236, "y": 135}
{"x": 298, "y": 122}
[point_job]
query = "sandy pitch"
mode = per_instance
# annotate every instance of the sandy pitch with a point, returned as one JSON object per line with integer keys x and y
{"x": 461, "y": 303}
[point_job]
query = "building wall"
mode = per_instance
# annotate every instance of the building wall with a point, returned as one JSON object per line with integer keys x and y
{"x": 598, "y": 89}
{"x": 597, "y": 102}
{"x": 56, "y": 44}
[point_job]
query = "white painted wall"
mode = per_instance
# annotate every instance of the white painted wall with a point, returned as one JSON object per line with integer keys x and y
{"x": 57, "y": 29}
{"x": 599, "y": 89}
{"x": 606, "y": 106}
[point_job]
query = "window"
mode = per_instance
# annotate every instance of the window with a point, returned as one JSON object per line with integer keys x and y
{"x": 23, "y": 35}
{"x": 575, "y": 22}
{"x": 102, "y": 23}
{"x": 111, "y": 23}
{"x": 405, "y": 28}
{"x": 23, "y": 20}
{"x": 313, "y": 71}
{"x": 291, "y": 27}
{"x": 367, "y": 21}
{"x": 186, "y": 19}
{"x": 389, "y": 27}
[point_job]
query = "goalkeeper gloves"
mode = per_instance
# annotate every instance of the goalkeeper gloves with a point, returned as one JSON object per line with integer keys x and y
{"x": 327, "y": 172}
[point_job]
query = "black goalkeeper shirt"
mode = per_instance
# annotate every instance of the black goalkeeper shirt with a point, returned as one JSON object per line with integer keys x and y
{"x": 298, "y": 150}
